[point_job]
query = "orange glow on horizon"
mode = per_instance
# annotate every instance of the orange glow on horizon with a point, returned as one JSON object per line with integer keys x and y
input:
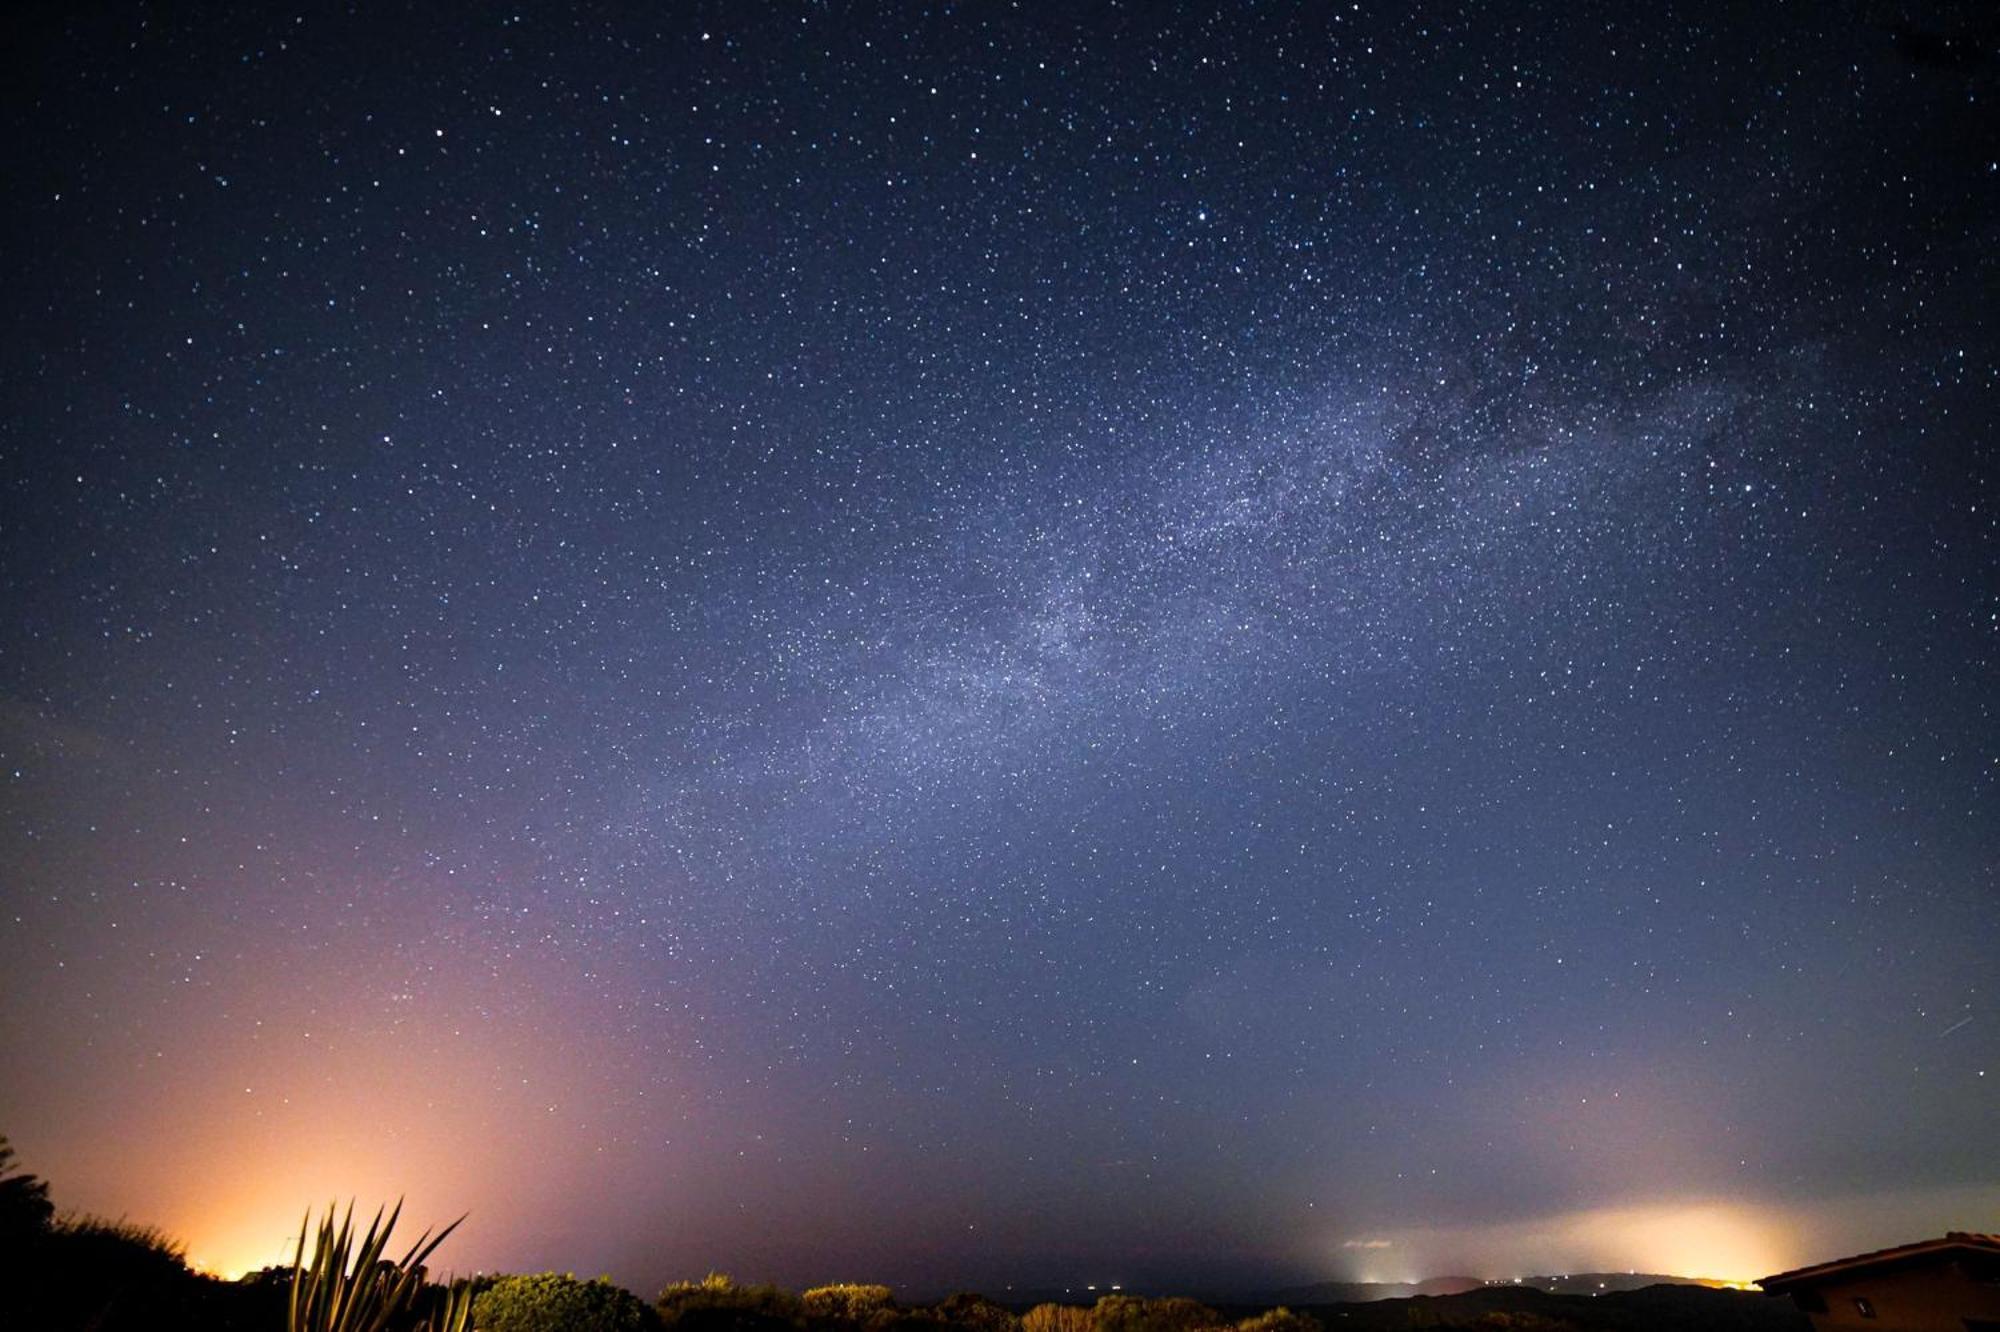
{"x": 1721, "y": 1241}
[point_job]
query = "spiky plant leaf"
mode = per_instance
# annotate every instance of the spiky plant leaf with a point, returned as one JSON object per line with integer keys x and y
{"x": 348, "y": 1286}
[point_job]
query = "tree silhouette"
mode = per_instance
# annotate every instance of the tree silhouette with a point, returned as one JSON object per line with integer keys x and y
{"x": 25, "y": 1209}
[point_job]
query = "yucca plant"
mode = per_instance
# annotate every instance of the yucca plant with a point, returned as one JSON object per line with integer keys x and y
{"x": 349, "y": 1287}
{"x": 455, "y": 1313}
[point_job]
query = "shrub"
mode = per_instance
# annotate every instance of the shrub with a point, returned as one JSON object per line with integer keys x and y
{"x": 1132, "y": 1313}
{"x": 121, "y": 1248}
{"x": 87, "y": 1272}
{"x": 975, "y": 1313}
{"x": 1056, "y": 1318}
{"x": 553, "y": 1302}
{"x": 718, "y": 1304}
{"x": 847, "y": 1302}
{"x": 1279, "y": 1320}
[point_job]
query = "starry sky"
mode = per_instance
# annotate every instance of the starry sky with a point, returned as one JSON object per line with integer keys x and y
{"x": 977, "y": 644}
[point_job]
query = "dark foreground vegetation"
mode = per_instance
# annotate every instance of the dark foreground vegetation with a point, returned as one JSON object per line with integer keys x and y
{"x": 82, "y": 1274}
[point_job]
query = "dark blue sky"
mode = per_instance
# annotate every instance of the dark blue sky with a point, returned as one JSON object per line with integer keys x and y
{"x": 969, "y": 644}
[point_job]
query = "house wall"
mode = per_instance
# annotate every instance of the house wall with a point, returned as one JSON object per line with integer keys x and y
{"x": 1924, "y": 1299}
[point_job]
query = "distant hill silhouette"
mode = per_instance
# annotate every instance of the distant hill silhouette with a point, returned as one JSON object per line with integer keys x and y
{"x": 1654, "y": 1308}
{"x": 1572, "y": 1283}
{"x": 1365, "y": 1292}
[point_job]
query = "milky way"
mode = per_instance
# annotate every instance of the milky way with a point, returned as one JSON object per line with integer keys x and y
{"x": 1000, "y": 645}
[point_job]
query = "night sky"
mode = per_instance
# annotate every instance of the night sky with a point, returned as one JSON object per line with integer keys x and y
{"x": 978, "y": 644}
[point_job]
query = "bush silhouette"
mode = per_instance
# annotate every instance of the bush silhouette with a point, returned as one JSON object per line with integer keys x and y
{"x": 85, "y": 1274}
{"x": 553, "y": 1302}
{"x": 1056, "y": 1318}
{"x": 1132, "y": 1313}
{"x": 1279, "y": 1320}
{"x": 109, "y": 1275}
{"x": 975, "y": 1313}
{"x": 716, "y": 1303}
{"x": 847, "y": 1302}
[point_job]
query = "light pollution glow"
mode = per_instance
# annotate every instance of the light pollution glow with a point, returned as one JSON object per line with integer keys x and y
{"x": 1728, "y": 1241}
{"x": 1733, "y": 1241}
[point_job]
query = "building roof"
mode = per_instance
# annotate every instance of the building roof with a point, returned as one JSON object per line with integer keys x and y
{"x": 1948, "y": 1246}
